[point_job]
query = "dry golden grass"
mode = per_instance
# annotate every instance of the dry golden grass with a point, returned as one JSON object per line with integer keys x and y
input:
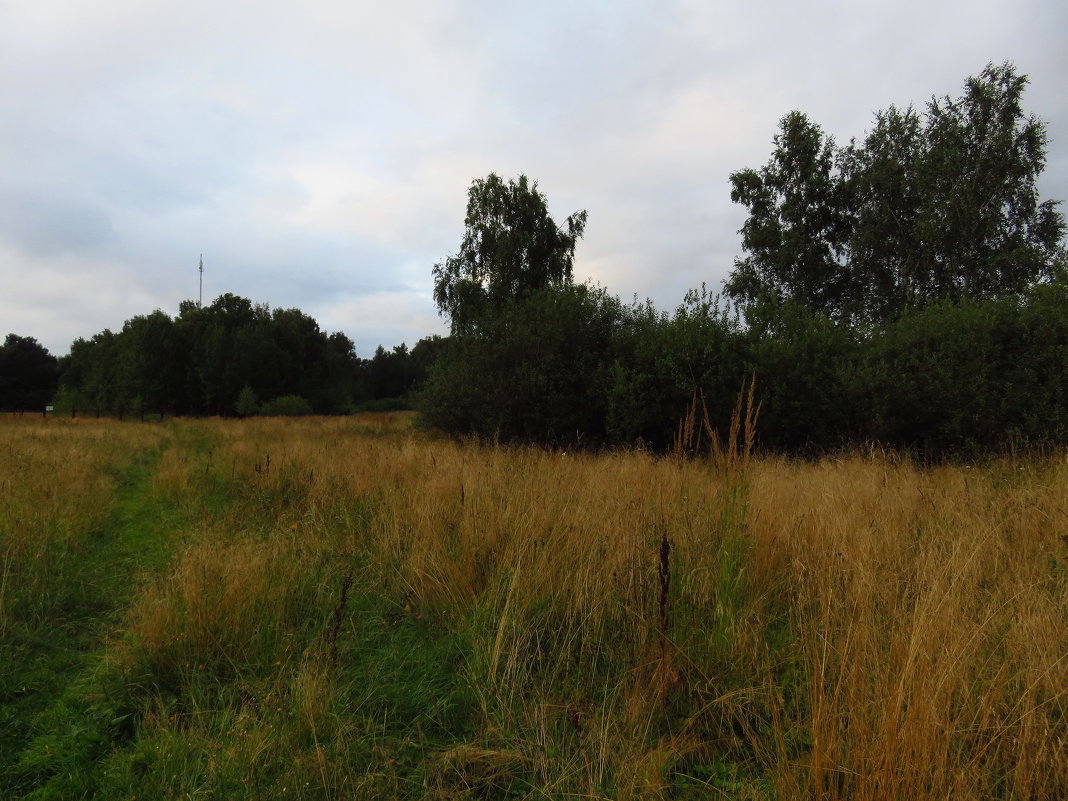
{"x": 635, "y": 626}
{"x": 931, "y": 611}
{"x": 854, "y": 628}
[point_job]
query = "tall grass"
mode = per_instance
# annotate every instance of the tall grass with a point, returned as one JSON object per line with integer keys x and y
{"x": 57, "y": 482}
{"x": 931, "y": 616}
{"x": 361, "y": 610}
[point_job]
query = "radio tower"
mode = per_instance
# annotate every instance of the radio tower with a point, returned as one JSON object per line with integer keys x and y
{"x": 200, "y": 303}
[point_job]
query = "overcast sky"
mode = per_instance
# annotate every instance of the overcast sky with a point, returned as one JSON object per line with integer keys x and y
{"x": 319, "y": 153}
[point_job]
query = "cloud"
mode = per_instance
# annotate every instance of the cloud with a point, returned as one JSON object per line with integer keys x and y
{"x": 382, "y": 318}
{"x": 61, "y": 297}
{"x": 319, "y": 153}
{"x": 50, "y": 225}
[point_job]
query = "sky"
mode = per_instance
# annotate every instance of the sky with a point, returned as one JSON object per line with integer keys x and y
{"x": 318, "y": 153}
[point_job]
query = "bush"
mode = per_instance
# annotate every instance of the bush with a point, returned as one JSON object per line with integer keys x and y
{"x": 383, "y": 405}
{"x": 969, "y": 378}
{"x": 802, "y": 362}
{"x": 286, "y": 406}
{"x": 537, "y": 371}
{"x": 247, "y": 403}
{"x": 661, "y": 362}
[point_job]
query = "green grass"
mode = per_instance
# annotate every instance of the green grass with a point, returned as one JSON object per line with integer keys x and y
{"x": 73, "y": 726}
{"x": 53, "y": 722}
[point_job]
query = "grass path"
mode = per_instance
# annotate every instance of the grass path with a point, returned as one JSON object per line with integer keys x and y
{"x": 69, "y": 731}
{"x": 55, "y": 718}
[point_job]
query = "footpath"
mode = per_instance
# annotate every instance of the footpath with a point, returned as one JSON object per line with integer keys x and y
{"x": 56, "y": 720}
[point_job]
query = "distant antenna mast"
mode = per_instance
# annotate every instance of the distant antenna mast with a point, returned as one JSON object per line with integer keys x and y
{"x": 200, "y": 303}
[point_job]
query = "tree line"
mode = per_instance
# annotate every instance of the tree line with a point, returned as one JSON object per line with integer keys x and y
{"x": 908, "y": 289}
{"x": 28, "y": 374}
{"x": 232, "y": 357}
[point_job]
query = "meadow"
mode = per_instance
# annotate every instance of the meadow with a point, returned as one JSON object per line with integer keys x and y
{"x": 350, "y": 608}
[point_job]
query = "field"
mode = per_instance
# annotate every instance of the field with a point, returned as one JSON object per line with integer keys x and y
{"x": 349, "y": 608}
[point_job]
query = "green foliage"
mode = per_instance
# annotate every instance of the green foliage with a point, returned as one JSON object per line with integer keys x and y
{"x": 662, "y": 362}
{"x": 801, "y": 360}
{"x": 286, "y": 406}
{"x": 528, "y": 355}
{"x": 969, "y": 378}
{"x": 1036, "y": 381}
{"x": 247, "y": 403}
{"x": 201, "y": 361}
{"x": 391, "y": 374}
{"x": 151, "y": 363}
{"x": 536, "y": 371}
{"x": 932, "y": 207}
{"x": 844, "y": 328}
{"x": 797, "y": 226}
{"x": 222, "y": 358}
{"x": 931, "y": 375}
{"x": 511, "y": 247}
{"x": 28, "y": 374}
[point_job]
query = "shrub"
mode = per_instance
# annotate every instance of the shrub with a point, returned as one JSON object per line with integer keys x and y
{"x": 286, "y": 406}
{"x": 247, "y": 403}
{"x": 537, "y": 371}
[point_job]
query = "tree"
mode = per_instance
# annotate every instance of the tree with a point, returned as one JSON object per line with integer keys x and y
{"x": 662, "y": 361}
{"x": 987, "y": 233}
{"x": 201, "y": 361}
{"x": 538, "y": 371}
{"x": 885, "y": 198}
{"x": 426, "y": 351}
{"x": 798, "y": 224}
{"x": 942, "y": 206}
{"x": 152, "y": 364}
{"x": 390, "y": 373}
{"x": 247, "y": 404}
{"x": 91, "y": 373}
{"x": 28, "y": 374}
{"x": 511, "y": 247}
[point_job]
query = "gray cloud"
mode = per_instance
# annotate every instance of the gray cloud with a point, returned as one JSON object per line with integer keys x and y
{"x": 53, "y": 225}
{"x": 319, "y": 153}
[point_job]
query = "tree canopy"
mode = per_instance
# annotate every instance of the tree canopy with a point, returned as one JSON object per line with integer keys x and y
{"x": 908, "y": 288}
{"x": 938, "y": 206}
{"x": 233, "y": 357}
{"x": 28, "y": 374}
{"x": 511, "y": 247}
